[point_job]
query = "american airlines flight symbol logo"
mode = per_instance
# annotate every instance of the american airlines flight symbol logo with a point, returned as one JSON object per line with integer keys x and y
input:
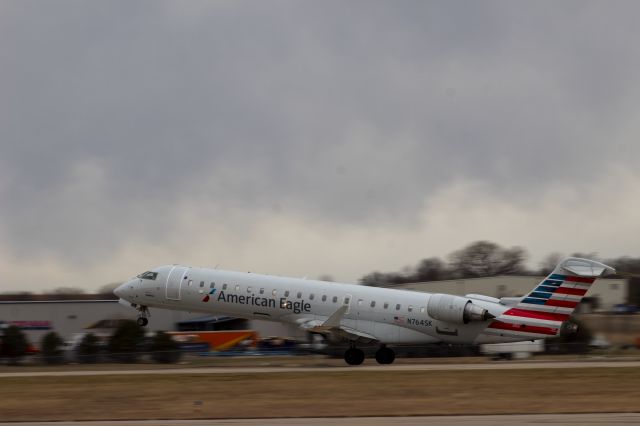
{"x": 206, "y": 298}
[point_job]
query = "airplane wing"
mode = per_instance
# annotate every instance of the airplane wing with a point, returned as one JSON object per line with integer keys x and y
{"x": 334, "y": 331}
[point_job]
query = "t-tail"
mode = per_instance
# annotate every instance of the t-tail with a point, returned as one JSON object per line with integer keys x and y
{"x": 542, "y": 312}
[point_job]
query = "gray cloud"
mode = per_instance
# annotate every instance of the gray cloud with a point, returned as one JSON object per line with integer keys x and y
{"x": 119, "y": 118}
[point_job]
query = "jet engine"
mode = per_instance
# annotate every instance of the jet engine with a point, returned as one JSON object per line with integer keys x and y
{"x": 455, "y": 309}
{"x": 568, "y": 328}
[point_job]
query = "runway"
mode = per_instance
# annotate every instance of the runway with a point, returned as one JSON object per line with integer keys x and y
{"x": 381, "y": 368}
{"x": 488, "y": 420}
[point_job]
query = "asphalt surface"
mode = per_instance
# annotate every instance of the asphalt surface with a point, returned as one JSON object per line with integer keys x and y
{"x": 490, "y": 420}
{"x": 399, "y": 367}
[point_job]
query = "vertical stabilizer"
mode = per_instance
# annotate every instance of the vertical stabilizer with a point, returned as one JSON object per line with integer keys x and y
{"x": 542, "y": 312}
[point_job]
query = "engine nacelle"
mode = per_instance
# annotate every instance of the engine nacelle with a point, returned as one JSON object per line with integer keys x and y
{"x": 455, "y": 309}
{"x": 568, "y": 328}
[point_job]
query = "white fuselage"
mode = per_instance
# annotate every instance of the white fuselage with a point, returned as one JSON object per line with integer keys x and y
{"x": 392, "y": 316}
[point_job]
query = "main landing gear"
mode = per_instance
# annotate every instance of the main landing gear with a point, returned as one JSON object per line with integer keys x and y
{"x": 384, "y": 355}
{"x": 355, "y": 356}
{"x": 143, "y": 319}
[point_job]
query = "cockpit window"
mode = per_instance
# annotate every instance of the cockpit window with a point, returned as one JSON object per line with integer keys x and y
{"x": 148, "y": 275}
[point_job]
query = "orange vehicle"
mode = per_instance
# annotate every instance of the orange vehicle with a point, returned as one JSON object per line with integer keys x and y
{"x": 217, "y": 340}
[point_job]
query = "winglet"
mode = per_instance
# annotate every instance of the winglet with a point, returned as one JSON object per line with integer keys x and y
{"x": 334, "y": 319}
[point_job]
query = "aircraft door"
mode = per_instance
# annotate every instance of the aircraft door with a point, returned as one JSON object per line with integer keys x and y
{"x": 349, "y": 316}
{"x": 347, "y": 302}
{"x": 176, "y": 276}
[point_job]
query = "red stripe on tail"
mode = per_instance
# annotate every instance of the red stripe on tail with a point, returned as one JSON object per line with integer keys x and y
{"x": 579, "y": 279}
{"x": 523, "y": 328}
{"x": 549, "y": 316}
{"x": 562, "y": 303}
{"x": 573, "y": 291}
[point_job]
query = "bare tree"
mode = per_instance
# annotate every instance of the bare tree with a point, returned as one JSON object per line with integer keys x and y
{"x": 591, "y": 255}
{"x": 625, "y": 265}
{"x": 431, "y": 269}
{"x": 485, "y": 259}
{"x": 325, "y": 277}
{"x": 108, "y": 288}
{"x": 375, "y": 279}
{"x": 549, "y": 263}
{"x": 66, "y": 290}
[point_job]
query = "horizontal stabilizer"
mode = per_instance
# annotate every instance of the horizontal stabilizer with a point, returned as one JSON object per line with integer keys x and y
{"x": 586, "y": 267}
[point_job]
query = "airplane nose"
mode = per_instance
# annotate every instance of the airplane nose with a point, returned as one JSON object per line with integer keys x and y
{"x": 120, "y": 290}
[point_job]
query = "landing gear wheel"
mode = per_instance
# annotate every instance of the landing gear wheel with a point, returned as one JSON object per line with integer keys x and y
{"x": 143, "y": 319}
{"x": 385, "y": 355}
{"x": 353, "y": 356}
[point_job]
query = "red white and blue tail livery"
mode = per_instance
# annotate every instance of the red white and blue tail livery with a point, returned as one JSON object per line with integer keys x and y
{"x": 542, "y": 312}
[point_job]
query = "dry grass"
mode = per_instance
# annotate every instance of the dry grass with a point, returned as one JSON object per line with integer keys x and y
{"x": 383, "y": 393}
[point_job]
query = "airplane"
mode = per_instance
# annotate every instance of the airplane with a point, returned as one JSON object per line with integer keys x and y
{"x": 362, "y": 315}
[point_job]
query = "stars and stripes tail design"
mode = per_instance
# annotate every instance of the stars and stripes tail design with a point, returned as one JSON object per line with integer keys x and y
{"x": 542, "y": 312}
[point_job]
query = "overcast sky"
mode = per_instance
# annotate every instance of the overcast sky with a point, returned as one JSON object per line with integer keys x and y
{"x": 306, "y": 137}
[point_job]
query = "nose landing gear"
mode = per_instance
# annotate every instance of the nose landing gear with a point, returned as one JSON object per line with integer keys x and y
{"x": 143, "y": 319}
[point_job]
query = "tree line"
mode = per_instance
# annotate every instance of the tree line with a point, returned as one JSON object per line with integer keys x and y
{"x": 485, "y": 259}
{"x": 127, "y": 344}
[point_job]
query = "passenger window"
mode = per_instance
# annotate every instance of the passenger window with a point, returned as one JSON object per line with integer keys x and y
{"x": 249, "y": 289}
{"x": 311, "y": 296}
{"x": 224, "y": 286}
{"x": 410, "y": 308}
{"x": 212, "y": 285}
{"x": 262, "y": 291}
{"x": 398, "y": 307}
{"x": 373, "y": 303}
{"x": 335, "y": 299}
{"x": 359, "y": 302}
{"x": 299, "y": 295}
{"x": 324, "y": 297}
{"x": 201, "y": 283}
{"x": 386, "y": 305}
{"x": 286, "y": 293}
{"x": 346, "y": 300}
